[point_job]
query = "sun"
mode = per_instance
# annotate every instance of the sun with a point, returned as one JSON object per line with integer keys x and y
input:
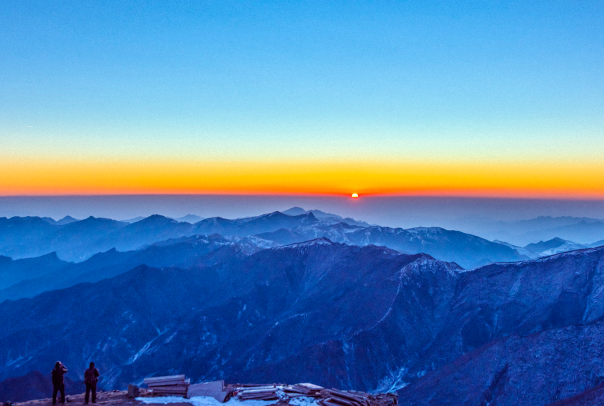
{"x": 355, "y": 195}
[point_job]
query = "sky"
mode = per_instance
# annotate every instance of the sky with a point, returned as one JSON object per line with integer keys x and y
{"x": 425, "y": 98}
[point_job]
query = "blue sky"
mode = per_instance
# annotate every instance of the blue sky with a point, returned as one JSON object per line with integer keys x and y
{"x": 224, "y": 81}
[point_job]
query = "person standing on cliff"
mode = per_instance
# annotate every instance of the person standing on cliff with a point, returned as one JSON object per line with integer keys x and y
{"x": 91, "y": 377}
{"x": 58, "y": 384}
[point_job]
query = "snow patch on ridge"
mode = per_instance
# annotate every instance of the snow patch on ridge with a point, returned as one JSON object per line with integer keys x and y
{"x": 318, "y": 241}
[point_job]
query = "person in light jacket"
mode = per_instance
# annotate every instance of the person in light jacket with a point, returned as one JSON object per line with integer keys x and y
{"x": 91, "y": 377}
{"x": 58, "y": 383}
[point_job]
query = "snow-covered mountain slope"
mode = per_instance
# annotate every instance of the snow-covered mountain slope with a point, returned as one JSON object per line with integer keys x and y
{"x": 465, "y": 249}
{"x": 345, "y": 316}
{"x": 326, "y": 217}
{"x": 79, "y": 240}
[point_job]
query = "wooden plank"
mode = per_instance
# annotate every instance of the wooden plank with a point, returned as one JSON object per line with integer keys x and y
{"x": 168, "y": 383}
{"x": 257, "y": 395}
{"x": 345, "y": 395}
{"x": 272, "y": 390}
{"x": 164, "y": 378}
{"x": 310, "y": 386}
{"x": 256, "y": 388}
{"x": 170, "y": 387}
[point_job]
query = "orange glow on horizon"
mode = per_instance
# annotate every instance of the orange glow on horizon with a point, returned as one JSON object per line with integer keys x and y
{"x": 577, "y": 181}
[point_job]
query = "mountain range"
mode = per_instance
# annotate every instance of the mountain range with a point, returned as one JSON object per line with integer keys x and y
{"x": 29, "y": 277}
{"x": 583, "y": 230}
{"x": 124, "y": 246}
{"x": 441, "y": 316}
{"x": 368, "y": 318}
{"x": 546, "y": 248}
{"x": 325, "y": 217}
{"x": 77, "y": 241}
{"x": 22, "y": 237}
{"x": 242, "y": 313}
{"x": 467, "y": 250}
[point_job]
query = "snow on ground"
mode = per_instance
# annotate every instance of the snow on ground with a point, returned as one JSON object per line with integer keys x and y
{"x": 210, "y": 401}
{"x": 303, "y": 401}
{"x": 207, "y": 401}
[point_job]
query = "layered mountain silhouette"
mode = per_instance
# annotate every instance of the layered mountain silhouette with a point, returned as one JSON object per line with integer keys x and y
{"x": 29, "y": 277}
{"x": 14, "y": 271}
{"x": 22, "y": 237}
{"x": 554, "y": 246}
{"x": 550, "y": 247}
{"x": 77, "y": 241}
{"x": 465, "y": 249}
{"x": 189, "y": 218}
{"x": 253, "y": 225}
{"x": 367, "y": 318}
{"x": 61, "y": 222}
{"x": 583, "y": 230}
{"x": 326, "y": 217}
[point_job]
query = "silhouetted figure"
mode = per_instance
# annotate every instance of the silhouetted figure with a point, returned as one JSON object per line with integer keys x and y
{"x": 58, "y": 384}
{"x": 91, "y": 377}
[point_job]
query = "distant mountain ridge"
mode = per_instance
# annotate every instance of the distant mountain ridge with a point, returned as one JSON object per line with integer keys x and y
{"x": 582, "y": 230}
{"x": 77, "y": 241}
{"x": 551, "y": 247}
{"x": 61, "y": 222}
{"x": 50, "y": 273}
{"x": 252, "y": 225}
{"x": 326, "y": 217}
{"x": 189, "y": 218}
{"x": 14, "y": 271}
{"x": 22, "y": 237}
{"x": 467, "y": 250}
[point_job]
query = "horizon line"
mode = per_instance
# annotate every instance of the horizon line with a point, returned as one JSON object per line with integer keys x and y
{"x": 319, "y": 195}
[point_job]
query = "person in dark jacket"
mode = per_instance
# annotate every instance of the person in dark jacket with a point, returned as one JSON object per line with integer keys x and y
{"x": 58, "y": 384}
{"x": 91, "y": 377}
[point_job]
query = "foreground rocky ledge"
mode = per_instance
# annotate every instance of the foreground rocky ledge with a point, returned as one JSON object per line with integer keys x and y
{"x": 115, "y": 397}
